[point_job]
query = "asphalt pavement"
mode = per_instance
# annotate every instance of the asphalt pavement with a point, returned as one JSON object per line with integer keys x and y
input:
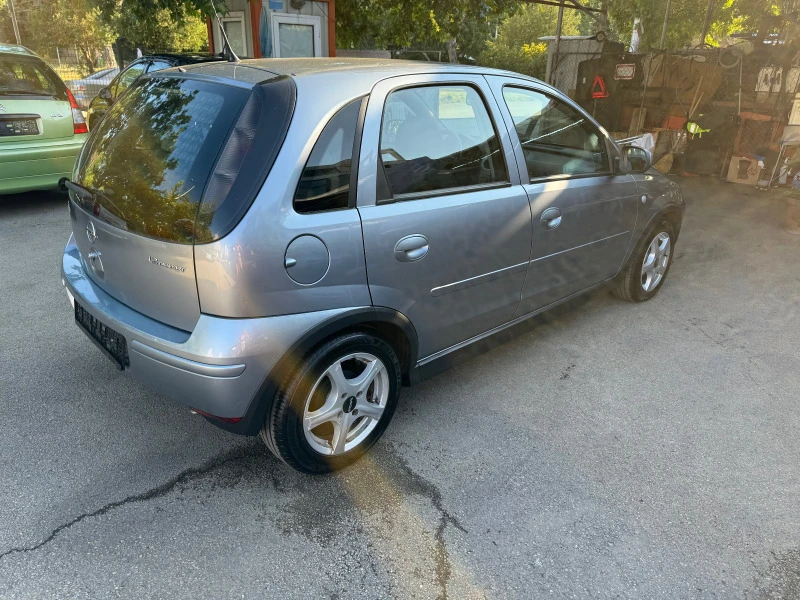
{"x": 609, "y": 450}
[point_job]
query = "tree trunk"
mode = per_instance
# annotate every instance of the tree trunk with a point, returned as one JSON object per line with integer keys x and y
{"x": 602, "y": 19}
{"x": 452, "y": 50}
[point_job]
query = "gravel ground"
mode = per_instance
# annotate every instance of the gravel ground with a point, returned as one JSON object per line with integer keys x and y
{"x": 608, "y": 450}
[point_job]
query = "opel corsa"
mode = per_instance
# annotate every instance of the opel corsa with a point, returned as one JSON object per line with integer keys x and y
{"x": 281, "y": 244}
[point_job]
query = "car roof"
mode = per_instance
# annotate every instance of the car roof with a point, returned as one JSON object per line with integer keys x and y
{"x": 366, "y": 70}
{"x": 301, "y": 67}
{"x": 18, "y": 50}
{"x": 183, "y": 59}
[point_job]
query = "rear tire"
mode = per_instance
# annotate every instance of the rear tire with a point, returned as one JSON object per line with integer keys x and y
{"x": 648, "y": 266}
{"x": 335, "y": 405}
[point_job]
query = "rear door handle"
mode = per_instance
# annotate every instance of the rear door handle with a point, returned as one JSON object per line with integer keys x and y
{"x": 411, "y": 248}
{"x": 551, "y": 218}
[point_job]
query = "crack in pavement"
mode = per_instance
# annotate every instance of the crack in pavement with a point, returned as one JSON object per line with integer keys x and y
{"x": 425, "y": 488}
{"x": 184, "y": 476}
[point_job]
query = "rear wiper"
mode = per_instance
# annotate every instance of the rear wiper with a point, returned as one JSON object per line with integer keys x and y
{"x": 65, "y": 184}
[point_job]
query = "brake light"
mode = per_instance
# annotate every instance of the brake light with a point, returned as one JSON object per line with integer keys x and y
{"x": 78, "y": 122}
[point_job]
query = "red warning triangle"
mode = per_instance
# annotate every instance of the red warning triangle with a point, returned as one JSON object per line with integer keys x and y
{"x": 599, "y": 88}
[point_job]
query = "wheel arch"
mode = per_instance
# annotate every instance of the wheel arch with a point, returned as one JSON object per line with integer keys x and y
{"x": 391, "y": 325}
{"x": 673, "y": 213}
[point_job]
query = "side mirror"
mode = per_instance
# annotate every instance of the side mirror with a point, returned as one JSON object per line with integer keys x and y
{"x": 105, "y": 94}
{"x": 634, "y": 159}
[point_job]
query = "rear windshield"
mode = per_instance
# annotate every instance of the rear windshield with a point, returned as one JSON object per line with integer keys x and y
{"x": 148, "y": 161}
{"x": 28, "y": 76}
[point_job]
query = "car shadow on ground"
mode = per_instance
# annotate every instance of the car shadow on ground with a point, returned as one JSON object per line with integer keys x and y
{"x": 12, "y": 205}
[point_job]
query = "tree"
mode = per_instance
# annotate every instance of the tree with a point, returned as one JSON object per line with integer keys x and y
{"x": 49, "y": 24}
{"x": 396, "y": 24}
{"x": 163, "y": 30}
{"x": 686, "y": 19}
{"x": 517, "y": 47}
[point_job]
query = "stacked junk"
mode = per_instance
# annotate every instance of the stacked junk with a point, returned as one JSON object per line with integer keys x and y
{"x": 731, "y": 112}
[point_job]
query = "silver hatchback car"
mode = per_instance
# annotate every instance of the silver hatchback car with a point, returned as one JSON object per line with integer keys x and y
{"x": 280, "y": 244}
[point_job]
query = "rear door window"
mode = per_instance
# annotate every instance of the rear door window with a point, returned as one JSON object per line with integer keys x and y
{"x": 556, "y": 139}
{"x": 439, "y": 137}
{"x": 28, "y": 76}
{"x": 151, "y": 156}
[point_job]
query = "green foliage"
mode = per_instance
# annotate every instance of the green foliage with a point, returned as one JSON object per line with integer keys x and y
{"x": 91, "y": 25}
{"x": 517, "y": 46}
{"x": 145, "y": 9}
{"x": 395, "y": 24}
{"x": 48, "y": 24}
{"x": 686, "y": 19}
{"x": 182, "y": 31}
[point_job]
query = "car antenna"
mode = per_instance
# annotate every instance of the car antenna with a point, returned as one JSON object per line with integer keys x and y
{"x": 231, "y": 54}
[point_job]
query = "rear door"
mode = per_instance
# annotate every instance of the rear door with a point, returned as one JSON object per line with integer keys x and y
{"x": 33, "y": 101}
{"x": 446, "y": 222}
{"x": 144, "y": 171}
{"x": 583, "y": 213}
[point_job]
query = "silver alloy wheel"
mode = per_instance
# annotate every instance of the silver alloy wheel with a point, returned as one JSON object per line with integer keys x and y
{"x": 346, "y": 403}
{"x": 655, "y": 262}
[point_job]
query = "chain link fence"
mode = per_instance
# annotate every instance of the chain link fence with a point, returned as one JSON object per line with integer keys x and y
{"x": 85, "y": 75}
{"x": 86, "y": 72}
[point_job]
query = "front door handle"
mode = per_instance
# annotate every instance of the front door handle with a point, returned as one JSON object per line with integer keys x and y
{"x": 551, "y": 218}
{"x": 411, "y": 248}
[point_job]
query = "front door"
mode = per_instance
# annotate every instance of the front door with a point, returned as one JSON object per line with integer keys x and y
{"x": 583, "y": 214}
{"x": 446, "y": 222}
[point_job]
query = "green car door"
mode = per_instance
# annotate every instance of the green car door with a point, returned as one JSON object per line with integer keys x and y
{"x": 42, "y": 129}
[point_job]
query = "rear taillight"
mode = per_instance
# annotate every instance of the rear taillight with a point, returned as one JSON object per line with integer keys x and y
{"x": 78, "y": 122}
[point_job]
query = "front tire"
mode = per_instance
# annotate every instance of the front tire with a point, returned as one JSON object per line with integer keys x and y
{"x": 335, "y": 405}
{"x": 647, "y": 268}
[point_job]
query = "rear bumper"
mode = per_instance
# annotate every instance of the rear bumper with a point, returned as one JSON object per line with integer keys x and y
{"x": 219, "y": 368}
{"x": 37, "y": 165}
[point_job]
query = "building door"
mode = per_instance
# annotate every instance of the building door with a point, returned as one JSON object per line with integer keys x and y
{"x": 234, "y": 25}
{"x": 296, "y": 36}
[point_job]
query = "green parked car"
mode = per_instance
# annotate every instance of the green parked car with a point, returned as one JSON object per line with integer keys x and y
{"x": 42, "y": 129}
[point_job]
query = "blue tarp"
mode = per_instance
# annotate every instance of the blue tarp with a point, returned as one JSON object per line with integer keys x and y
{"x": 265, "y": 37}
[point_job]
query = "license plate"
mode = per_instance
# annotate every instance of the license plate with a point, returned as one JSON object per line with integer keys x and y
{"x": 10, "y": 127}
{"x": 109, "y": 341}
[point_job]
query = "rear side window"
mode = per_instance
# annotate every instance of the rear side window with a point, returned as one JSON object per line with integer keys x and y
{"x": 556, "y": 139}
{"x": 439, "y": 138}
{"x": 28, "y": 76}
{"x": 325, "y": 182}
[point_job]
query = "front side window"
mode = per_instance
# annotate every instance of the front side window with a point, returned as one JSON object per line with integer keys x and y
{"x": 439, "y": 138}
{"x": 325, "y": 182}
{"x": 128, "y": 76}
{"x": 556, "y": 139}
